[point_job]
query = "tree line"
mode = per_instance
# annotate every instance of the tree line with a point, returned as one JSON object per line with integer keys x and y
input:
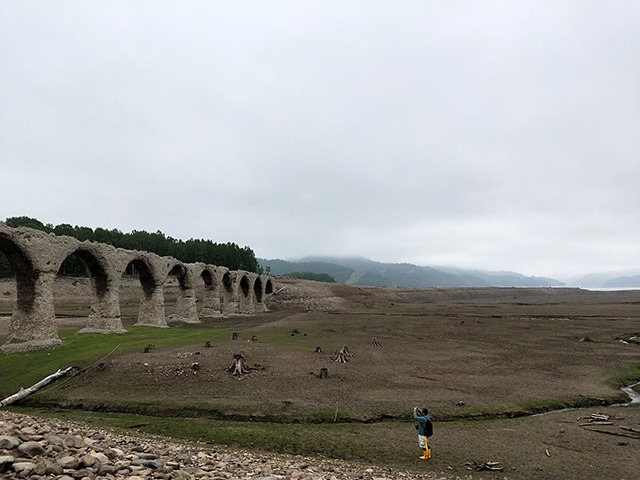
{"x": 190, "y": 251}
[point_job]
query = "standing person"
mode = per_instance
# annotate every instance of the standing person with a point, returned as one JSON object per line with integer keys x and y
{"x": 425, "y": 429}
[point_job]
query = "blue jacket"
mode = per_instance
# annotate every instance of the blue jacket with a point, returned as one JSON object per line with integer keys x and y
{"x": 422, "y": 419}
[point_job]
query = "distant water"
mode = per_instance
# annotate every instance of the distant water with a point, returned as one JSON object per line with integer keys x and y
{"x": 609, "y": 289}
{"x": 600, "y": 289}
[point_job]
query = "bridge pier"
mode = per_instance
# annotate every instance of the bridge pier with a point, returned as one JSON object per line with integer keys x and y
{"x": 151, "y": 312}
{"x": 186, "y": 307}
{"x": 105, "y": 312}
{"x": 33, "y": 324}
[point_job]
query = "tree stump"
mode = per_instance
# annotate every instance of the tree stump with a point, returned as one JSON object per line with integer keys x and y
{"x": 254, "y": 339}
{"x": 376, "y": 343}
{"x": 324, "y": 373}
{"x": 207, "y": 344}
{"x": 238, "y": 366}
{"x": 236, "y": 336}
{"x": 343, "y": 356}
{"x": 317, "y": 350}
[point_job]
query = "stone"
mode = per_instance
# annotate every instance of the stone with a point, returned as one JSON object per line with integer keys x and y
{"x": 31, "y": 449}
{"x": 88, "y": 460}
{"x": 72, "y": 441}
{"x": 30, "y": 431}
{"x": 8, "y": 442}
{"x": 24, "y": 466}
{"x": 53, "y": 439}
{"x": 83, "y": 473}
{"x": 6, "y": 461}
{"x": 68, "y": 461}
{"x": 100, "y": 457}
{"x": 53, "y": 468}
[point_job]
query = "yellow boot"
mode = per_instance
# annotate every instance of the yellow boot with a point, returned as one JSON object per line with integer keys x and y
{"x": 426, "y": 455}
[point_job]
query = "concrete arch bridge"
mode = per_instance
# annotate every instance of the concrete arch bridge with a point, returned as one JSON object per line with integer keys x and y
{"x": 36, "y": 257}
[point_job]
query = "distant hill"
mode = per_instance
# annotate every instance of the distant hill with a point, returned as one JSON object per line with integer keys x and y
{"x": 365, "y": 272}
{"x": 629, "y": 279}
{"x": 623, "y": 282}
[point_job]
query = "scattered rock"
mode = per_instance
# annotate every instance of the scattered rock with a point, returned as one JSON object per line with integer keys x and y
{"x": 67, "y": 451}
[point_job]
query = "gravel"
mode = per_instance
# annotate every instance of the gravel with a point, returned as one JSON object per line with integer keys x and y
{"x": 39, "y": 449}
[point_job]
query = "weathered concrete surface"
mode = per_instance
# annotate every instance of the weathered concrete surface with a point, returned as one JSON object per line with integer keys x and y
{"x": 186, "y": 304}
{"x": 36, "y": 257}
{"x": 212, "y": 278}
{"x": 105, "y": 265}
{"x": 153, "y": 271}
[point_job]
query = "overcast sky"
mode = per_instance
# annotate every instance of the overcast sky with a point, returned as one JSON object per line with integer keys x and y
{"x": 481, "y": 134}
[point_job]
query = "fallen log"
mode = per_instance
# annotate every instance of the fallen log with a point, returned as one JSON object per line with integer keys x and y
{"x": 618, "y": 434}
{"x": 483, "y": 466}
{"x": 34, "y": 388}
{"x": 630, "y": 429}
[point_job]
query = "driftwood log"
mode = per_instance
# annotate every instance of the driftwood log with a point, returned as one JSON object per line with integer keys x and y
{"x": 236, "y": 336}
{"x": 34, "y": 388}
{"x": 343, "y": 356}
{"x": 617, "y": 434}
{"x": 596, "y": 420}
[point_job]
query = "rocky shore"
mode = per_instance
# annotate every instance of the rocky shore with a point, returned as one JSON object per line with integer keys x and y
{"x": 40, "y": 449}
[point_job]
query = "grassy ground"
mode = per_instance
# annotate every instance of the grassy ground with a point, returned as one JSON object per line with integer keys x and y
{"x": 475, "y": 357}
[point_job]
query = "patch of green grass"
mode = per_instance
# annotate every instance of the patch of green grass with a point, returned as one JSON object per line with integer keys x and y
{"x": 24, "y": 369}
{"x": 632, "y": 375}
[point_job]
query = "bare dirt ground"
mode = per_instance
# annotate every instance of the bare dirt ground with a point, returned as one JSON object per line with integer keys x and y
{"x": 460, "y": 351}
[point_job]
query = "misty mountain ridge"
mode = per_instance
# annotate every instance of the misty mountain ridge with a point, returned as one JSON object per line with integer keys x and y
{"x": 365, "y": 272}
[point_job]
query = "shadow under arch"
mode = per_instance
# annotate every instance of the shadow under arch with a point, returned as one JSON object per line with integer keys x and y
{"x": 211, "y": 294}
{"x": 257, "y": 289}
{"x": 152, "y": 302}
{"x": 268, "y": 287}
{"x": 228, "y": 297}
{"x": 245, "y": 303}
{"x": 186, "y": 309}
